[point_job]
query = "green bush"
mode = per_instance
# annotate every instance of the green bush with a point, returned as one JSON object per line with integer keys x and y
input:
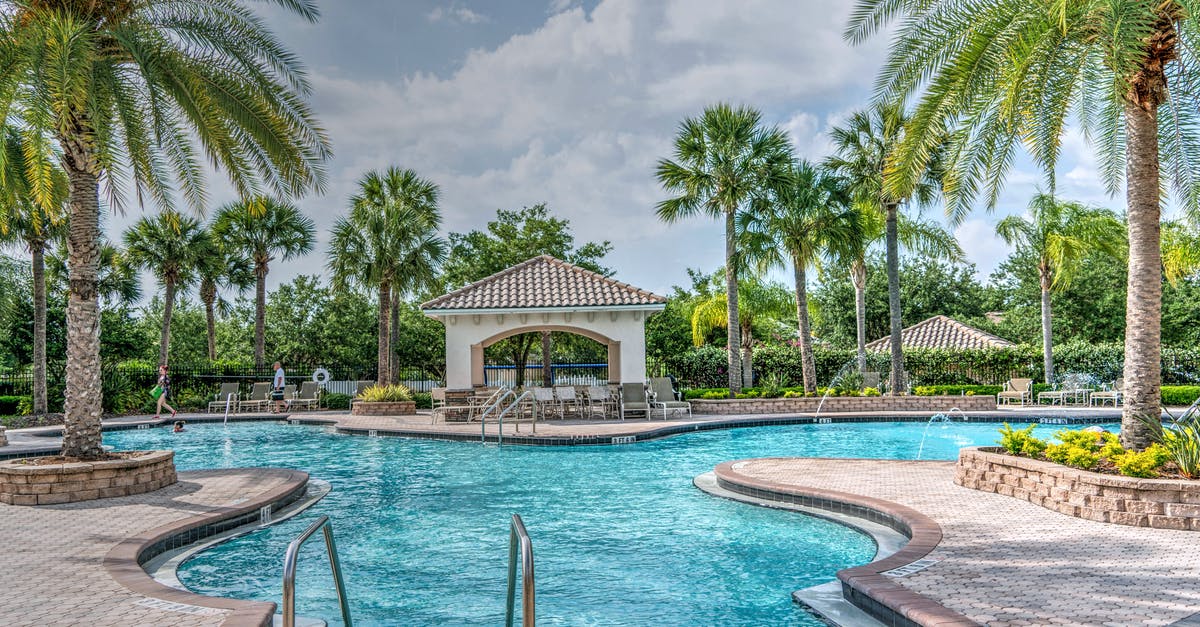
{"x": 424, "y": 400}
{"x": 10, "y": 404}
{"x": 957, "y": 390}
{"x": 385, "y": 394}
{"x": 1074, "y": 456}
{"x": 1180, "y": 395}
{"x": 334, "y": 400}
{"x": 1144, "y": 464}
{"x": 1021, "y": 441}
{"x": 1085, "y": 450}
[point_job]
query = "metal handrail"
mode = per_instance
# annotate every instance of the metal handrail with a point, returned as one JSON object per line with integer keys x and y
{"x": 518, "y": 536}
{"x": 499, "y": 396}
{"x": 516, "y": 403}
{"x": 289, "y": 571}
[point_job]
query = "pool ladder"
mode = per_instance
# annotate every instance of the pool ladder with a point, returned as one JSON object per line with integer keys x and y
{"x": 497, "y": 402}
{"x": 519, "y": 542}
{"x": 289, "y": 571}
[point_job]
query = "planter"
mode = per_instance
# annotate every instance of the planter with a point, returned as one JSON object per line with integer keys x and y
{"x": 22, "y": 483}
{"x": 391, "y": 408}
{"x": 1158, "y": 503}
{"x": 837, "y": 404}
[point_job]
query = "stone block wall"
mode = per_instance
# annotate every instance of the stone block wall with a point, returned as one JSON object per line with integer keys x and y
{"x": 838, "y": 404}
{"x": 3, "y": 438}
{"x": 399, "y": 408}
{"x": 1158, "y": 503}
{"x": 22, "y": 483}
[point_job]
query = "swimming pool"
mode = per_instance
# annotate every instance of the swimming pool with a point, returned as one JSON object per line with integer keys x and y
{"x": 621, "y": 536}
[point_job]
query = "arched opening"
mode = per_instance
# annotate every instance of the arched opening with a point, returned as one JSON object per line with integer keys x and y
{"x": 545, "y": 355}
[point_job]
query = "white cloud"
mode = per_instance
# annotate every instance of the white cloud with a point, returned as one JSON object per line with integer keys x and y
{"x": 456, "y": 14}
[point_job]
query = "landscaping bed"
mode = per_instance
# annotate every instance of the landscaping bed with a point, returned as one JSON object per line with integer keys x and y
{"x": 52, "y": 480}
{"x": 835, "y": 404}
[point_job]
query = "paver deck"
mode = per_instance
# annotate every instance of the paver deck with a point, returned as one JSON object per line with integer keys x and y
{"x": 55, "y": 570}
{"x": 1002, "y": 561}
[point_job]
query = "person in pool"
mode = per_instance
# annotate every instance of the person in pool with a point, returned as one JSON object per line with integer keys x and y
{"x": 178, "y": 426}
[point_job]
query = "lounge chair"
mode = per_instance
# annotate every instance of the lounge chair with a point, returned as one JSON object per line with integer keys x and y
{"x": 599, "y": 397}
{"x": 1115, "y": 394}
{"x": 309, "y": 396}
{"x": 437, "y": 404}
{"x": 1071, "y": 386}
{"x": 545, "y": 403}
{"x": 258, "y": 399}
{"x": 633, "y": 400}
{"x": 219, "y": 402}
{"x": 664, "y": 397}
{"x": 1019, "y": 389}
{"x": 568, "y": 400}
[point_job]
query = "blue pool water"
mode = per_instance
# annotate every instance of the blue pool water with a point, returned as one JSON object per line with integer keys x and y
{"x": 621, "y": 536}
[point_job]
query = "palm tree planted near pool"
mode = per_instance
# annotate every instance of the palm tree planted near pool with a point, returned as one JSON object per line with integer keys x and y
{"x": 725, "y": 161}
{"x": 222, "y": 270}
{"x": 389, "y": 242}
{"x": 134, "y": 94}
{"x": 811, "y": 218}
{"x": 172, "y": 247}
{"x": 1060, "y": 235}
{"x": 988, "y": 76}
{"x": 263, "y": 230}
{"x": 863, "y": 152}
{"x": 762, "y": 307}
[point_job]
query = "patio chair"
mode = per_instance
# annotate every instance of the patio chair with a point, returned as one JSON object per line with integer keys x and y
{"x": 633, "y": 400}
{"x": 1018, "y": 389}
{"x": 437, "y": 404}
{"x": 599, "y": 397}
{"x": 1114, "y": 394}
{"x": 568, "y": 400}
{"x": 545, "y": 403}
{"x": 258, "y": 399}
{"x": 218, "y": 403}
{"x": 1071, "y": 386}
{"x": 309, "y": 396}
{"x": 664, "y": 397}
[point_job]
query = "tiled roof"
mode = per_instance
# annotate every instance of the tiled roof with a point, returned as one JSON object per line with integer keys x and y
{"x": 942, "y": 332}
{"x": 543, "y": 282}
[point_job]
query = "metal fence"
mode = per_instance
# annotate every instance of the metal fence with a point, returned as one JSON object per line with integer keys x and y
{"x": 560, "y": 374}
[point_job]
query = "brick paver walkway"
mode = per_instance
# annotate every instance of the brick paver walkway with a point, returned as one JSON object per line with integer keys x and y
{"x": 1009, "y": 562}
{"x": 53, "y": 571}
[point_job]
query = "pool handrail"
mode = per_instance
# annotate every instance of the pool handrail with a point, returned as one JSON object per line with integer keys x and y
{"x": 493, "y": 402}
{"x": 289, "y": 571}
{"x": 515, "y": 403}
{"x": 518, "y": 537}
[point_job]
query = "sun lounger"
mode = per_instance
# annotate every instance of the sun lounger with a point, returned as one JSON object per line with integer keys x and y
{"x": 1020, "y": 390}
{"x": 633, "y": 400}
{"x": 218, "y": 404}
{"x": 309, "y": 396}
{"x": 664, "y": 397}
{"x": 258, "y": 399}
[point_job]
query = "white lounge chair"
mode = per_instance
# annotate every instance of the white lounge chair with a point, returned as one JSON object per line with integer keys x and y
{"x": 600, "y": 398}
{"x": 1115, "y": 394}
{"x": 545, "y": 403}
{"x": 664, "y": 397}
{"x": 1020, "y": 390}
{"x": 568, "y": 400}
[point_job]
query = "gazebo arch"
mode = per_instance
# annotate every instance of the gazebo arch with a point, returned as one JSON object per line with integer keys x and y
{"x": 544, "y": 294}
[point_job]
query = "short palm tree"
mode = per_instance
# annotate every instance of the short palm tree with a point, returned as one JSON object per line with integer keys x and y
{"x": 137, "y": 94}
{"x": 989, "y": 76}
{"x": 761, "y": 304}
{"x": 221, "y": 270}
{"x": 389, "y": 242}
{"x": 724, "y": 162}
{"x": 863, "y": 148}
{"x": 171, "y": 246}
{"x": 812, "y": 218}
{"x": 262, "y": 230}
{"x": 1060, "y": 235}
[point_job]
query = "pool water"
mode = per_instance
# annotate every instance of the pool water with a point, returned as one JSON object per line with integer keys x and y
{"x": 620, "y": 534}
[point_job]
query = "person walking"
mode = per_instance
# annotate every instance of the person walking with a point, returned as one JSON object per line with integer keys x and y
{"x": 277, "y": 388}
{"x": 164, "y": 384}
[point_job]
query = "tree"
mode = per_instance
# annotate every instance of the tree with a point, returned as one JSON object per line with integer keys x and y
{"x": 763, "y": 307}
{"x": 994, "y": 75}
{"x": 1060, "y": 235}
{"x": 863, "y": 150}
{"x": 117, "y": 283}
{"x": 33, "y": 224}
{"x": 724, "y": 162}
{"x": 171, "y": 246}
{"x": 263, "y": 230}
{"x": 389, "y": 243}
{"x": 220, "y": 270}
{"x": 132, "y": 92}
{"x": 810, "y": 219}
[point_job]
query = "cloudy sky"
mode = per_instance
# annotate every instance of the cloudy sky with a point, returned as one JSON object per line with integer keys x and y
{"x": 508, "y": 104}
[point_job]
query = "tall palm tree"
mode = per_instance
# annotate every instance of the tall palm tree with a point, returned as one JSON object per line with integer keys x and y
{"x": 171, "y": 246}
{"x": 389, "y": 242}
{"x": 1060, "y": 235}
{"x": 263, "y": 230}
{"x": 993, "y": 75}
{"x": 117, "y": 282}
{"x": 222, "y": 269}
{"x": 811, "y": 218}
{"x": 34, "y": 226}
{"x": 760, "y": 305}
{"x": 863, "y": 148}
{"x": 724, "y": 161}
{"x": 133, "y": 93}
{"x": 1181, "y": 251}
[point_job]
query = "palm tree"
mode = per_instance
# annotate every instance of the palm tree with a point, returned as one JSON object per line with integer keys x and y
{"x": 811, "y": 218}
{"x": 1181, "y": 251}
{"x": 863, "y": 149}
{"x": 133, "y": 93}
{"x": 171, "y": 246}
{"x": 995, "y": 75}
{"x": 263, "y": 229}
{"x": 760, "y": 305}
{"x": 724, "y": 162}
{"x": 1060, "y": 235}
{"x": 33, "y": 225}
{"x": 117, "y": 282}
{"x": 220, "y": 270}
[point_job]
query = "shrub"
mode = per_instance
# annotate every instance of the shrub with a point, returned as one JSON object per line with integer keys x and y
{"x": 1180, "y": 395}
{"x": 334, "y": 400}
{"x": 1021, "y": 441}
{"x": 424, "y": 400}
{"x": 10, "y": 404}
{"x": 702, "y": 393}
{"x": 1180, "y": 439}
{"x": 715, "y": 395}
{"x": 1074, "y": 456}
{"x": 870, "y": 392}
{"x": 772, "y": 385}
{"x": 385, "y": 394}
{"x": 1144, "y": 464}
{"x": 957, "y": 390}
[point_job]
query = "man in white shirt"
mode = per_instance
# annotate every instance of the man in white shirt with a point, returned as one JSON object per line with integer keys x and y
{"x": 277, "y": 387}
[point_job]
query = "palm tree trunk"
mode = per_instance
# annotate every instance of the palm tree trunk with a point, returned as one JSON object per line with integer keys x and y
{"x": 808, "y": 367}
{"x": 384, "y": 376}
{"x": 1143, "y": 304}
{"x": 208, "y": 294}
{"x": 547, "y": 366}
{"x": 393, "y": 332}
{"x": 84, "y": 394}
{"x": 896, "y": 383}
{"x": 260, "y": 313}
{"x": 168, "y": 309}
{"x": 1047, "y": 336}
{"x": 38, "y": 250}
{"x": 858, "y": 274}
{"x": 733, "y": 329}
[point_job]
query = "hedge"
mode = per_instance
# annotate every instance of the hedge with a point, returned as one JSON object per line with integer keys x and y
{"x": 9, "y": 405}
{"x": 957, "y": 390}
{"x": 1180, "y": 395}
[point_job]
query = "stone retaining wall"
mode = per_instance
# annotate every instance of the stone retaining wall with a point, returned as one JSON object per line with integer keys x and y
{"x": 1158, "y": 503}
{"x": 836, "y": 404}
{"x": 22, "y": 483}
{"x": 399, "y": 408}
{"x": 3, "y": 438}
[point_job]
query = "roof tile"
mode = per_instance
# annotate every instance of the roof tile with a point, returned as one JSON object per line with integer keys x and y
{"x": 942, "y": 332}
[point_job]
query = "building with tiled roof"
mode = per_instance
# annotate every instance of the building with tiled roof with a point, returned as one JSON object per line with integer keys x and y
{"x": 942, "y": 332}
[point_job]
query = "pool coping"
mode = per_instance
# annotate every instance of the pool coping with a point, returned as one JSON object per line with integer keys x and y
{"x": 865, "y": 586}
{"x": 124, "y": 561}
